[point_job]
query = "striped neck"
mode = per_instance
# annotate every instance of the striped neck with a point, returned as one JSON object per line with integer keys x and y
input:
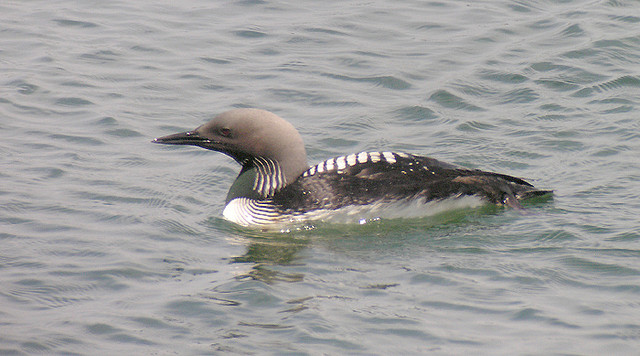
{"x": 259, "y": 179}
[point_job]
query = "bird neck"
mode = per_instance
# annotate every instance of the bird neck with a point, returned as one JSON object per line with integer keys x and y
{"x": 259, "y": 179}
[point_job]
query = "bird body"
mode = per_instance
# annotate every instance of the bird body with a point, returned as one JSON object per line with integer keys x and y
{"x": 275, "y": 184}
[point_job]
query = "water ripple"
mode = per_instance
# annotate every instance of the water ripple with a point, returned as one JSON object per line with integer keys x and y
{"x": 448, "y": 100}
{"x": 83, "y": 140}
{"x": 252, "y": 34}
{"x": 111, "y": 244}
{"x": 389, "y": 82}
{"x": 74, "y": 23}
{"x": 520, "y": 96}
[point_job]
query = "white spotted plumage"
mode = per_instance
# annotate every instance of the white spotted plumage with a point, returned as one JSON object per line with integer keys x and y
{"x": 330, "y": 164}
{"x": 352, "y": 160}
{"x": 342, "y": 162}
{"x": 389, "y": 157}
{"x": 363, "y": 157}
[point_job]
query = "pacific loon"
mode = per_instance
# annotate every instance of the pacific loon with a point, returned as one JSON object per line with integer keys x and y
{"x": 276, "y": 185}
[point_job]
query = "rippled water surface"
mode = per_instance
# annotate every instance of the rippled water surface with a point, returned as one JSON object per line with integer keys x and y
{"x": 112, "y": 244}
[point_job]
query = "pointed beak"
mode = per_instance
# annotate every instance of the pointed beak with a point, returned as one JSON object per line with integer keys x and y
{"x": 193, "y": 138}
{"x": 184, "y": 138}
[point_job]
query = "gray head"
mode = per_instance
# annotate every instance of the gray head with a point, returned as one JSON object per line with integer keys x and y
{"x": 247, "y": 133}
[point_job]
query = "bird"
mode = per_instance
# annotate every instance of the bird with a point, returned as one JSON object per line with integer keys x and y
{"x": 277, "y": 186}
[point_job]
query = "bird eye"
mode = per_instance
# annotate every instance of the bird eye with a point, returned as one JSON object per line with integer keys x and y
{"x": 225, "y": 131}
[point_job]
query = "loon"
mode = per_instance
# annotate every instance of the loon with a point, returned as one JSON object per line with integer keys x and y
{"x": 276, "y": 185}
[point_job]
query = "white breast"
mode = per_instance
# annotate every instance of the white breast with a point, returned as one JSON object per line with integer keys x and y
{"x": 249, "y": 212}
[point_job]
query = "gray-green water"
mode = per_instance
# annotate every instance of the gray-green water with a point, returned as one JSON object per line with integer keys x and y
{"x": 110, "y": 244}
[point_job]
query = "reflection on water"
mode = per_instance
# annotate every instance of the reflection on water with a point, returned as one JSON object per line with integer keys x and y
{"x": 269, "y": 249}
{"x": 269, "y": 252}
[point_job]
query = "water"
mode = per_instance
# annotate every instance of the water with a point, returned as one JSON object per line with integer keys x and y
{"x": 113, "y": 244}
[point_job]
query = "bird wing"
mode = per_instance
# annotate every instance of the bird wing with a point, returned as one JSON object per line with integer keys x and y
{"x": 393, "y": 176}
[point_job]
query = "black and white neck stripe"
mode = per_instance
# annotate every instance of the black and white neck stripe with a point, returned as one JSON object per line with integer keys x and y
{"x": 269, "y": 177}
